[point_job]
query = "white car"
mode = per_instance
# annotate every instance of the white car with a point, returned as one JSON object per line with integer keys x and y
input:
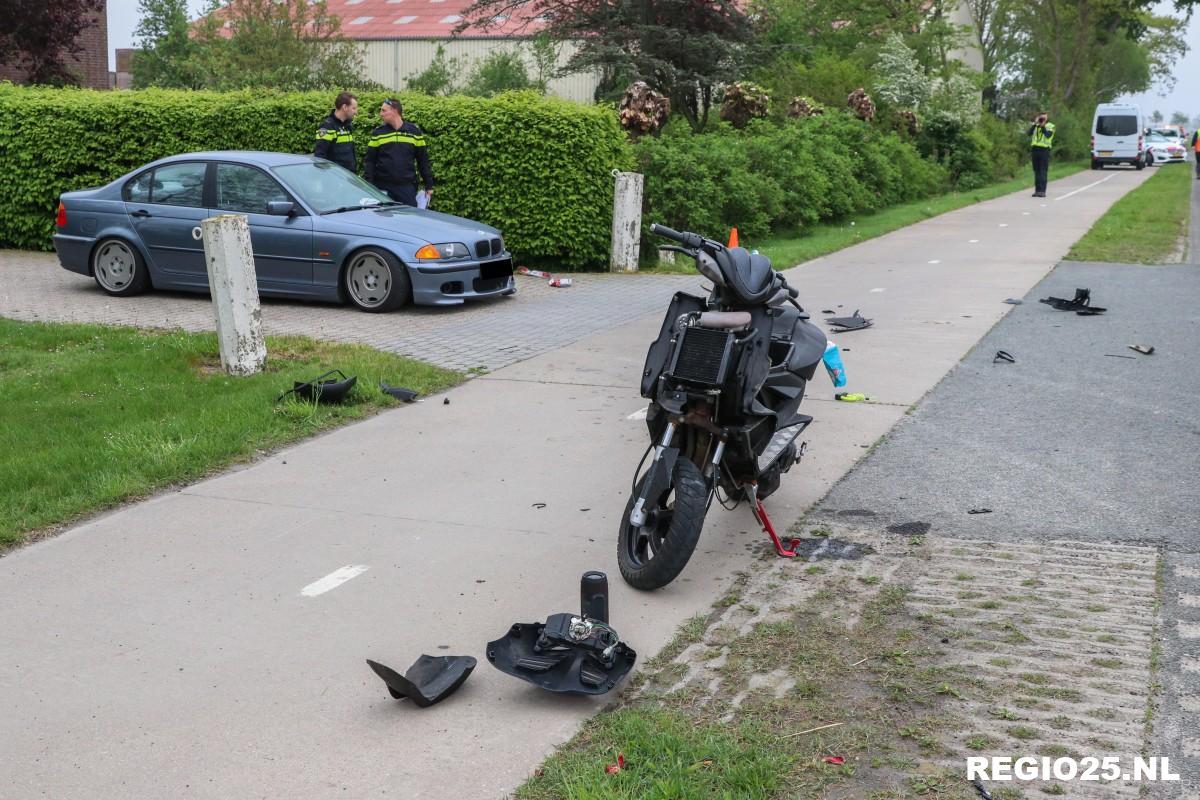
{"x": 1169, "y": 133}
{"x": 1165, "y": 149}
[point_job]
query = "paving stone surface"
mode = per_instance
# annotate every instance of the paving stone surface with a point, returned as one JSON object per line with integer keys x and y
{"x": 489, "y": 334}
{"x": 1051, "y": 641}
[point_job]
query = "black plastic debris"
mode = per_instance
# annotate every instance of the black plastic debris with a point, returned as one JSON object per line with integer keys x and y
{"x": 572, "y": 653}
{"x": 854, "y": 322}
{"x": 1003, "y": 356}
{"x": 979, "y": 511}
{"x": 399, "y": 392}
{"x": 1141, "y": 348}
{"x": 1081, "y": 304}
{"x": 321, "y": 390}
{"x": 429, "y": 680}
{"x": 983, "y": 793}
{"x": 1012, "y": 301}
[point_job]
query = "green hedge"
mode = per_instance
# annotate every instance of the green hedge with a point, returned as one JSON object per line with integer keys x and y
{"x": 537, "y": 168}
{"x": 778, "y": 176}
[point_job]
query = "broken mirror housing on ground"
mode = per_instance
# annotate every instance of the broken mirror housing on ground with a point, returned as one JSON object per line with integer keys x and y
{"x": 573, "y": 653}
{"x": 398, "y": 392}
{"x": 429, "y": 680}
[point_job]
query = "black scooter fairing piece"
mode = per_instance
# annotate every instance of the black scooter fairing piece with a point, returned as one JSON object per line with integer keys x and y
{"x": 564, "y": 670}
{"x": 854, "y": 322}
{"x": 322, "y": 391}
{"x": 1081, "y": 304}
{"x": 399, "y": 392}
{"x": 429, "y": 680}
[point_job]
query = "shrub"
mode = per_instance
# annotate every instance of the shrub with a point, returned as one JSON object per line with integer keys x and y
{"x": 1007, "y": 146}
{"x": 537, "y": 168}
{"x": 776, "y": 176}
{"x": 970, "y": 164}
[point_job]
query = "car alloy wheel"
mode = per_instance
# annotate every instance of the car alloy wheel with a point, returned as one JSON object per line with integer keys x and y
{"x": 118, "y": 268}
{"x": 376, "y": 281}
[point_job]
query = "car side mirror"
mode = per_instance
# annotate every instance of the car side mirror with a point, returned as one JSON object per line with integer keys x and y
{"x": 281, "y": 208}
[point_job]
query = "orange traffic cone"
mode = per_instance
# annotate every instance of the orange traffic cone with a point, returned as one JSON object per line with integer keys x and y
{"x": 733, "y": 240}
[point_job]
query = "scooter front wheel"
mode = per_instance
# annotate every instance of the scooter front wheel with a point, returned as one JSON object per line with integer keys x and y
{"x": 652, "y": 555}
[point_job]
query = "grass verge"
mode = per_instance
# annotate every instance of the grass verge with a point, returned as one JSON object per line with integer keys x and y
{"x": 1146, "y": 226}
{"x": 96, "y": 415}
{"x": 828, "y": 237}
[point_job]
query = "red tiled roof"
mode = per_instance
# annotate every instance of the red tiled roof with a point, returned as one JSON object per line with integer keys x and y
{"x": 415, "y": 19}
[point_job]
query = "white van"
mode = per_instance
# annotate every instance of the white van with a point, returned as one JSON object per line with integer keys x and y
{"x": 1118, "y": 136}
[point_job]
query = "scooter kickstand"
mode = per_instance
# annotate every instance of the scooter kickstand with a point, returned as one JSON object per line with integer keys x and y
{"x": 760, "y": 514}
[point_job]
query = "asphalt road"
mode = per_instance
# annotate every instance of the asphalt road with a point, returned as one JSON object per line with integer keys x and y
{"x": 1083, "y": 440}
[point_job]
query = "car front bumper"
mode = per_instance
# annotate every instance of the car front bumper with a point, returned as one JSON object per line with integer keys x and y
{"x": 1163, "y": 158}
{"x": 454, "y": 284}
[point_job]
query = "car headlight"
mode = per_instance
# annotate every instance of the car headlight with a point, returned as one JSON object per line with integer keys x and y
{"x": 434, "y": 252}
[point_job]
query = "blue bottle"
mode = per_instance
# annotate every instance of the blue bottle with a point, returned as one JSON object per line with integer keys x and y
{"x": 833, "y": 365}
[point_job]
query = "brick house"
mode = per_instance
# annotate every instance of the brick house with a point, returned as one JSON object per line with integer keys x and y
{"x": 91, "y": 65}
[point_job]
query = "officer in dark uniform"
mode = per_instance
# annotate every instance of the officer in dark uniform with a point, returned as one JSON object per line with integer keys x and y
{"x": 393, "y": 149}
{"x": 335, "y": 136}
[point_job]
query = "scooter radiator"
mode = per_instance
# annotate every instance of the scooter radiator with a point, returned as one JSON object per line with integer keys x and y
{"x": 702, "y": 356}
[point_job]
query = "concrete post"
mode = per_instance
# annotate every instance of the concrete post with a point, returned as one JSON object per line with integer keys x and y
{"x": 627, "y": 221}
{"x": 234, "y": 288}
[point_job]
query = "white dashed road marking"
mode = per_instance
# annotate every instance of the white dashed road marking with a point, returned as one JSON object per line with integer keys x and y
{"x": 1082, "y": 188}
{"x": 639, "y": 414}
{"x": 334, "y": 579}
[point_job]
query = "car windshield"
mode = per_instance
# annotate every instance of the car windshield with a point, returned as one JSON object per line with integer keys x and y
{"x": 1156, "y": 137}
{"x": 326, "y": 187}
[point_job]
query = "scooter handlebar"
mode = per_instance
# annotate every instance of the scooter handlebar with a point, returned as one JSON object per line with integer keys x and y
{"x": 692, "y": 240}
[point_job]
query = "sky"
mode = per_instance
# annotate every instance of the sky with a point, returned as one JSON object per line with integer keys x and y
{"x": 1185, "y": 97}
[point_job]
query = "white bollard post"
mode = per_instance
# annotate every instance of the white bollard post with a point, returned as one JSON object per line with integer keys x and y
{"x": 234, "y": 288}
{"x": 627, "y": 221}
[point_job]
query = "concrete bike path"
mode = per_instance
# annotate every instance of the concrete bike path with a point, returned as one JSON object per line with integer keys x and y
{"x": 196, "y": 645}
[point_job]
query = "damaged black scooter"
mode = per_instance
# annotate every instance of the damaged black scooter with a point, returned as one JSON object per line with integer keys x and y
{"x": 725, "y": 379}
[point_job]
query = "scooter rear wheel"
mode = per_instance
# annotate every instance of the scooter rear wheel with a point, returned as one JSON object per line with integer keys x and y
{"x": 653, "y": 555}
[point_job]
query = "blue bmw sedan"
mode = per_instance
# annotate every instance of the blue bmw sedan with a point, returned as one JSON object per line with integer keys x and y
{"x": 318, "y": 232}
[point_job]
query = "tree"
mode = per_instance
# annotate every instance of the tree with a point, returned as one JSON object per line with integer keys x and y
{"x": 499, "y": 71}
{"x": 1075, "y": 53}
{"x": 166, "y": 54}
{"x": 544, "y": 53}
{"x": 1156, "y": 117}
{"x": 42, "y": 37}
{"x": 285, "y": 44}
{"x": 1179, "y": 118}
{"x": 999, "y": 40}
{"x": 683, "y": 48}
{"x": 292, "y": 45}
{"x": 438, "y": 77}
{"x": 899, "y": 79}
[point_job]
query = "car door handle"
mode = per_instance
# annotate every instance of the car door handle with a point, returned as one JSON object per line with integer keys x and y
{"x": 141, "y": 212}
